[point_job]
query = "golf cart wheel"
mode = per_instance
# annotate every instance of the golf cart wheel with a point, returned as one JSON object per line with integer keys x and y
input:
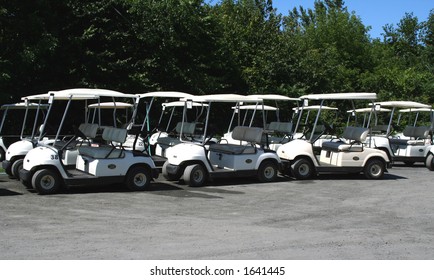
{"x": 138, "y": 178}
{"x": 46, "y": 181}
{"x": 168, "y": 176}
{"x": 2, "y": 155}
{"x": 303, "y": 169}
{"x": 267, "y": 171}
{"x": 27, "y": 184}
{"x": 195, "y": 175}
{"x": 374, "y": 169}
{"x": 16, "y": 167}
{"x": 429, "y": 162}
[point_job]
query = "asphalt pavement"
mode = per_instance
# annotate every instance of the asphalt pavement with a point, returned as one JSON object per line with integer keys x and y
{"x": 330, "y": 217}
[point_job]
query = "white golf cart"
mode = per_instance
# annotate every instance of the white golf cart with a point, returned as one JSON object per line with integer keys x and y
{"x": 320, "y": 133}
{"x": 156, "y": 129}
{"x": 15, "y": 153}
{"x": 49, "y": 167}
{"x": 10, "y": 132}
{"x": 195, "y": 163}
{"x": 348, "y": 154}
{"x": 368, "y": 113}
{"x": 415, "y": 141}
{"x": 18, "y": 150}
{"x": 170, "y": 134}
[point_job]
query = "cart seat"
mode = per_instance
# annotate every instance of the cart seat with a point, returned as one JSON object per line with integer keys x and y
{"x": 89, "y": 129}
{"x": 187, "y": 129}
{"x": 252, "y": 135}
{"x": 355, "y": 137}
{"x": 418, "y": 133}
{"x": 110, "y": 134}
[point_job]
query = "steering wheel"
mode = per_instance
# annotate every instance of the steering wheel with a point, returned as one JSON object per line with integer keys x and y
{"x": 329, "y": 129}
{"x": 306, "y": 129}
{"x": 208, "y": 139}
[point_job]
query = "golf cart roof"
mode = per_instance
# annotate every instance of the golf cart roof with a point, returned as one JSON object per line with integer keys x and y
{"x": 341, "y": 96}
{"x": 168, "y": 94}
{"x": 223, "y": 98}
{"x": 256, "y": 107}
{"x": 367, "y": 110}
{"x": 80, "y": 94}
{"x": 416, "y": 110}
{"x": 181, "y": 104}
{"x": 402, "y": 104}
{"x": 315, "y": 107}
{"x": 21, "y": 106}
{"x": 111, "y": 105}
{"x": 276, "y": 97}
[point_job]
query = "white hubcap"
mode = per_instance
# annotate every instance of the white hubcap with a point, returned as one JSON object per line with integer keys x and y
{"x": 47, "y": 182}
{"x": 140, "y": 180}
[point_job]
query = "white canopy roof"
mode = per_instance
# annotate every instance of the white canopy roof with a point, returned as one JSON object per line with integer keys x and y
{"x": 341, "y": 96}
{"x": 224, "y": 98}
{"x": 111, "y": 105}
{"x": 181, "y": 104}
{"x": 315, "y": 107}
{"x": 276, "y": 97}
{"x": 80, "y": 94}
{"x": 367, "y": 110}
{"x": 256, "y": 107}
{"x": 416, "y": 110}
{"x": 402, "y": 104}
{"x": 21, "y": 106}
{"x": 167, "y": 94}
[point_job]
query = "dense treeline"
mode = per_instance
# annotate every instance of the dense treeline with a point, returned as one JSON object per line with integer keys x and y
{"x": 236, "y": 46}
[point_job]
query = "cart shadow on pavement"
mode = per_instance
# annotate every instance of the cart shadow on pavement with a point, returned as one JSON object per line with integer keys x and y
{"x": 386, "y": 176}
{"x": 178, "y": 189}
{"x": 6, "y": 192}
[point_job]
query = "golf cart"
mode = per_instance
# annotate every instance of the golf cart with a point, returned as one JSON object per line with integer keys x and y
{"x": 195, "y": 163}
{"x": 71, "y": 163}
{"x": 13, "y": 160}
{"x": 376, "y": 129}
{"x": 156, "y": 129}
{"x": 414, "y": 143}
{"x": 10, "y": 132}
{"x": 347, "y": 154}
{"x": 320, "y": 133}
{"x": 170, "y": 134}
{"x": 276, "y": 130}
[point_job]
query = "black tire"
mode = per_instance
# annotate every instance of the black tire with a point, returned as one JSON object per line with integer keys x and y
{"x": 27, "y": 184}
{"x": 2, "y": 155}
{"x": 195, "y": 175}
{"x": 374, "y": 169}
{"x": 303, "y": 169}
{"x": 9, "y": 172}
{"x": 166, "y": 175}
{"x": 267, "y": 171}
{"x": 138, "y": 178}
{"x": 46, "y": 181}
{"x": 429, "y": 162}
{"x": 16, "y": 167}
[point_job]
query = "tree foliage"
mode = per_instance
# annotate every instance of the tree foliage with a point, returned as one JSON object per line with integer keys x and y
{"x": 242, "y": 46}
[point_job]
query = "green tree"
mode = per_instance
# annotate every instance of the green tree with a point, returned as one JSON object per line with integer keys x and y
{"x": 331, "y": 44}
{"x": 250, "y": 42}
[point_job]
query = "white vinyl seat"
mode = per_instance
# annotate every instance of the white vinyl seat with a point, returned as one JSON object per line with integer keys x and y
{"x": 110, "y": 134}
{"x": 354, "y": 136}
{"x": 252, "y": 135}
